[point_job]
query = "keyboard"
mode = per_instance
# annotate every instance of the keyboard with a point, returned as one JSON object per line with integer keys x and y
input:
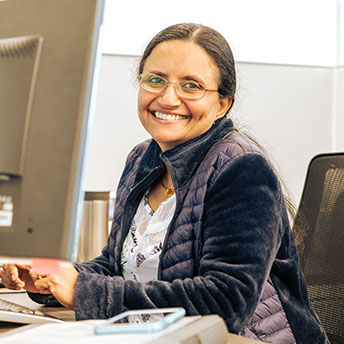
{"x": 12, "y": 312}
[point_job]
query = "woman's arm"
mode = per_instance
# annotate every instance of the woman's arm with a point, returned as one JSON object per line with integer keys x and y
{"x": 56, "y": 290}
{"x": 100, "y": 265}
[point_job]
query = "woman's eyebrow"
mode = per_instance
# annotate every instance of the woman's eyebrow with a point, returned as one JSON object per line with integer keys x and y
{"x": 194, "y": 78}
{"x": 158, "y": 73}
{"x": 184, "y": 77}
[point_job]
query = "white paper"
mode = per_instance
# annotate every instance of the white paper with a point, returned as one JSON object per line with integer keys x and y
{"x": 6, "y": 211}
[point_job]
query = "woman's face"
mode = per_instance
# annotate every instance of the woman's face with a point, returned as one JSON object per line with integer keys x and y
{"x": 169, "y": 118}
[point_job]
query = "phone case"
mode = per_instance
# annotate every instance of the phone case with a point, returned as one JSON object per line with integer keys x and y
{"x": 107, "y": 327}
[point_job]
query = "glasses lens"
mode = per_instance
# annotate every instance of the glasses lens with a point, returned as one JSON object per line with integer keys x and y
{"x": 190, "y": 89}
{"x": 152, "y": 83}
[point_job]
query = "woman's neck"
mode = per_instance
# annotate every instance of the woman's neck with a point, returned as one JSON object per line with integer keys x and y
{"x": 161, "y": 190}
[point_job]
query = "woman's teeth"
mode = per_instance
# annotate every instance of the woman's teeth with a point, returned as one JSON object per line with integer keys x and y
{"x": 168, "y": 117}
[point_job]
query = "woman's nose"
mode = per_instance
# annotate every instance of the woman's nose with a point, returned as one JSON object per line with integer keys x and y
{"x": 169, "y": 96}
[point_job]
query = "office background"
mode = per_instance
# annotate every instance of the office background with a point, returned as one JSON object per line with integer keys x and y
{"x": 290, "y": 64}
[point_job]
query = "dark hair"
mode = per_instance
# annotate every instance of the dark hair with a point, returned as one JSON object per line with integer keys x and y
{"x": 211, "y": 41}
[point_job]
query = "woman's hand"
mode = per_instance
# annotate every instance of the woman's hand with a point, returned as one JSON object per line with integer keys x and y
{"x": 61, "y": 285}
{"x": 17, "y": 276}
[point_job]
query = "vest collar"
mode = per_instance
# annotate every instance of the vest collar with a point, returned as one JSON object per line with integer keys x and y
{"x": 184, "y": 159}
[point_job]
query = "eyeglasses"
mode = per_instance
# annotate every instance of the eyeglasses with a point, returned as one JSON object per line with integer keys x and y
{"x": 188, "y": 89}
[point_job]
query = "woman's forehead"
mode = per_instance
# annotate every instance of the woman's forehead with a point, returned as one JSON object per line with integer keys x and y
{"x": 181, "y": 58}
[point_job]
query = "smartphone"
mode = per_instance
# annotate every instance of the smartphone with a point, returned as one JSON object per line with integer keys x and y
{"x": 141, "y": 321}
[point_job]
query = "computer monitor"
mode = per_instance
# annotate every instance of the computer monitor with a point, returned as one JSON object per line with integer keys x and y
{"x": 48, "y": 51}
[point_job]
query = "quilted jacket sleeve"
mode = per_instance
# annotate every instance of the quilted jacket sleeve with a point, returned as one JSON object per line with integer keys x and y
{"x": 100, "y": 266}
{"x": 242, "y": 234}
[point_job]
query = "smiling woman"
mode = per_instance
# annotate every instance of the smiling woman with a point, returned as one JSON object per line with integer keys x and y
{"x": 219, "y": 241}
{"x": 169, "y": 116}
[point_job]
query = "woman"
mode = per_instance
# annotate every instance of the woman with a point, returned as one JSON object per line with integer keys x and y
{"x": 200, "y": 220}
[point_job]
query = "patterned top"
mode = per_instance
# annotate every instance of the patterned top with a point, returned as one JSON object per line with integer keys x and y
{"x": 143, "y": 244}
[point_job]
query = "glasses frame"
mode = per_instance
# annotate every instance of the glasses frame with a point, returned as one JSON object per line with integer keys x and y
{"x": 175, "y": 84}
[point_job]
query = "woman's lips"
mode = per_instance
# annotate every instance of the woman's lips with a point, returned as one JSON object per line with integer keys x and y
{"x": 168, "y": 116}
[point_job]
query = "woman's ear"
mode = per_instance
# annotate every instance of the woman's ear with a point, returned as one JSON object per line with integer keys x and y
{"x": 224, "y": 105}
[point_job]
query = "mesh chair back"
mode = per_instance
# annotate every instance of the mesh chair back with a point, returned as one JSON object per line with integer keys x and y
{"x": 321, "y": 219}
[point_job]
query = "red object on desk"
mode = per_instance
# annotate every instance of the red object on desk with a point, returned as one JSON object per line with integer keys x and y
{"x": 45, "y": 266}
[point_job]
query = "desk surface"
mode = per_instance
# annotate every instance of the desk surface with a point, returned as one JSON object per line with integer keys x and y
{"x": 68, "y": 315}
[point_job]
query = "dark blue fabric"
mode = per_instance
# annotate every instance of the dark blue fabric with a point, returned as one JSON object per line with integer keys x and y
{"x": 229, "y": 234}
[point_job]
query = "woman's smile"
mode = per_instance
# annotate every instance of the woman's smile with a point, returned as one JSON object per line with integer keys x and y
{"x": 168, "y": 116}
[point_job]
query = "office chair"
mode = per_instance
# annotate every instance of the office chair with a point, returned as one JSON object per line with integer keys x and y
{"x": 320, "y": 219}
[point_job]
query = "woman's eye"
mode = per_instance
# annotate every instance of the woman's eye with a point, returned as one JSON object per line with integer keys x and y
{"x": 156, "y": 80}
{"x": 191, "y": 86}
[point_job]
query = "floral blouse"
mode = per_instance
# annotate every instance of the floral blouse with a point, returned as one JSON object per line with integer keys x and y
{"x": 143, "y": 244}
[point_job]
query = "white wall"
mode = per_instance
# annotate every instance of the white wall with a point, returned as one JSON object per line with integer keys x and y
{"x": 302, "y": 32}
{"x": 340, "y": 35}
{"x": 116, "y": 128}
{"x": 287, "y": 108}
{"x": 340, "y": 110}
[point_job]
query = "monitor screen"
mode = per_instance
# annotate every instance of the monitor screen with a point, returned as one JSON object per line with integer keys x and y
{"x": 48, "y": 56}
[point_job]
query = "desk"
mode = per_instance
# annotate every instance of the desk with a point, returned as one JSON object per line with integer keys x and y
{"x": 68, "y": 315}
